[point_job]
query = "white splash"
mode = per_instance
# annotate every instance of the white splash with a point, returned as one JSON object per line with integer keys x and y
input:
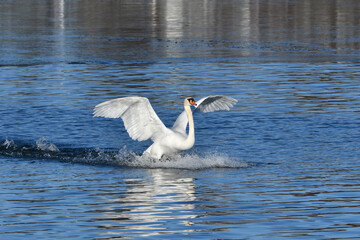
{"x": 44, "y": 145}
{"x": 9, "y": 144}
{"x": 187, "y": 161}
{"x": 44, "y": 149}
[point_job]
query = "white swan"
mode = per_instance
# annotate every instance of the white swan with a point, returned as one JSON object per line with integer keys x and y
{"x": 142, "y": 123}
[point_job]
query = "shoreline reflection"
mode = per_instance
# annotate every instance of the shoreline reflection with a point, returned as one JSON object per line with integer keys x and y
{"x": 178, "y": 29}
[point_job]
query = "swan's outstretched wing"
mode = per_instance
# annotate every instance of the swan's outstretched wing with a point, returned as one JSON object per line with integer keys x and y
{"x": 140, "y": 119}
{"x": 215, "y": 103}
{"x": 206, "y": 104}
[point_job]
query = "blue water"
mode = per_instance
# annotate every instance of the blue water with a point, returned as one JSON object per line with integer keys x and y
{"x": 283, "y": 163}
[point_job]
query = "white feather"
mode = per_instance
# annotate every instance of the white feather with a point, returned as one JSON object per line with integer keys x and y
{"x": 140, "y": 119}
{"x": 206, "y": 104}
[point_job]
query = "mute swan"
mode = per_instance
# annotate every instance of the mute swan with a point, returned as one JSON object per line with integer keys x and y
{"x": 142, "y": 123}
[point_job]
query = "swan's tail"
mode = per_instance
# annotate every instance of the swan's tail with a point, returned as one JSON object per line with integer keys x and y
{"x": 148, "y": 150}
{"x": 148, "y": 153}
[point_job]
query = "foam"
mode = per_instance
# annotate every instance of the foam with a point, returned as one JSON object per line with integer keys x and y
{"x": 186, "y": 161}
{"x": 43, "y": 149}
{"x": 43, "y": 144}
{"x": 8, "y": 144}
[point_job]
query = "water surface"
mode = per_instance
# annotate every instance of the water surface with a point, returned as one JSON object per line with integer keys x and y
{"x": 283, "y": 163}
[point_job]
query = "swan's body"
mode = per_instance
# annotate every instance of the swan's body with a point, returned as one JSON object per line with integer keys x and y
{"x": 142, "y": 123}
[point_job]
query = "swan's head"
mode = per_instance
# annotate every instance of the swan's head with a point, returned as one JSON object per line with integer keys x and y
{"x": 189, "y": 101}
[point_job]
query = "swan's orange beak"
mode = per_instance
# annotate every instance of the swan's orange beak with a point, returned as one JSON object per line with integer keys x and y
{"x": 192, "y": 102}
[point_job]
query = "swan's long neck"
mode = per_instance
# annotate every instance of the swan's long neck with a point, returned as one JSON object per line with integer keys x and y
{"x": 190, "y": 140}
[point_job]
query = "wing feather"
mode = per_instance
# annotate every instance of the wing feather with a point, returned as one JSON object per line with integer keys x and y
{"x": 215, "y": 103}
{"x": 140, "y": 119}
{"x": 206, "y": 104}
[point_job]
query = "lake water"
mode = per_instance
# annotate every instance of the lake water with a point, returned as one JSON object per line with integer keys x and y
{"x": 284, "y": 163}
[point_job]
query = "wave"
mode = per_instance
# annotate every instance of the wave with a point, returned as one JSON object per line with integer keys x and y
{"x": 45, "y": 150}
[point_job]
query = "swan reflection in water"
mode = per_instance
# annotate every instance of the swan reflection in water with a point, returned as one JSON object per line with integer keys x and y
{"x": 148, "y": 205}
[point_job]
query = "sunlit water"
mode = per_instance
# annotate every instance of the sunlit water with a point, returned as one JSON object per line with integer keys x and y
{"x": 283, "y": 163}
